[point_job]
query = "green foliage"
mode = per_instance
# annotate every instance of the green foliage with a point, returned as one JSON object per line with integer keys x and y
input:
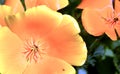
{"x": 2, "y": 2}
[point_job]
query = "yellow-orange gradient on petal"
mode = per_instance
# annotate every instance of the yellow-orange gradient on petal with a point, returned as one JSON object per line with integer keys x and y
{"x": 94, "y": 3}
{"x": 59, "y": 33}
{"x": 11, "y": 58}
{"x": 14, "y": 61}
{"x": 4, "y": 11}
{"x": 106, "y": 20}
{"x": 42, "y": 41}
{"x": 53, "y": 4}
{"x": 15, "y": 5}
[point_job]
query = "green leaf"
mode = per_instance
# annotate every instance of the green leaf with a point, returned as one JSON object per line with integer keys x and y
{"x": 117, "y": 63}
{"x": 109, "y": 52}
{"x": 115, "y": 44}
{"x": 99, "y": 51}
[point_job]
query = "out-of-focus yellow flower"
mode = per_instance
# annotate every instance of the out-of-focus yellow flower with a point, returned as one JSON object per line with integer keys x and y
{"x": 42, "y": 41}
{"x": 53, "y": 4}
{"x": 16, "y": 5}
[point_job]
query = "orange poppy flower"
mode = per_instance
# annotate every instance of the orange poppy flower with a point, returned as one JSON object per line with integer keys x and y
{"x": 53, "y": 4}
{"x": 44, "y": 41}
{"x": 15, "y": 5}
{"x": 99, "y": 21}
{"x": 94, "y": 4}
{"x": 4, "y": 11}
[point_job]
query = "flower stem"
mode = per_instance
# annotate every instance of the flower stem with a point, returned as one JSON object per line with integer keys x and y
{"x": 95, "y": 44}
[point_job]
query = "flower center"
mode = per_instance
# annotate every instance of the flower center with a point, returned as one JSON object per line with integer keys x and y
{"x": 34, "y": 51}
{"x": 115, "y": 19}
{"x": 111, "y": 21}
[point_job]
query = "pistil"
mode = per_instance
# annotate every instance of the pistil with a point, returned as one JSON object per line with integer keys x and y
{"x": 33, "y": 51}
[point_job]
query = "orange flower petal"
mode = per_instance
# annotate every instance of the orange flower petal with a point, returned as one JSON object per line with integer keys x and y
{"x": 39, "y": 20}
{"x": 53, "y": 4}
{"x": 70, "y": 24}
{"x": 117, "y": 6}
{"x": 15, "y": 4}
{"x": 11, "y": 59}
{"x": 94, "y": 4}
{"x": 111, "y": 33}
{"x": 93, "y": 22}
{"x": 4, "y": 11}
{"x": 65, "y": 43}
{"x": 49, "y": 65}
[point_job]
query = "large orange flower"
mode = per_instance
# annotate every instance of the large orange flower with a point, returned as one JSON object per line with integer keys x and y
{"x": 42, "y": 41}
{"x": 99, "y": 21}
{"x": 94, "y": 3}
{"x": 53, "y": 4}
{"x": 15, "y": 5}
